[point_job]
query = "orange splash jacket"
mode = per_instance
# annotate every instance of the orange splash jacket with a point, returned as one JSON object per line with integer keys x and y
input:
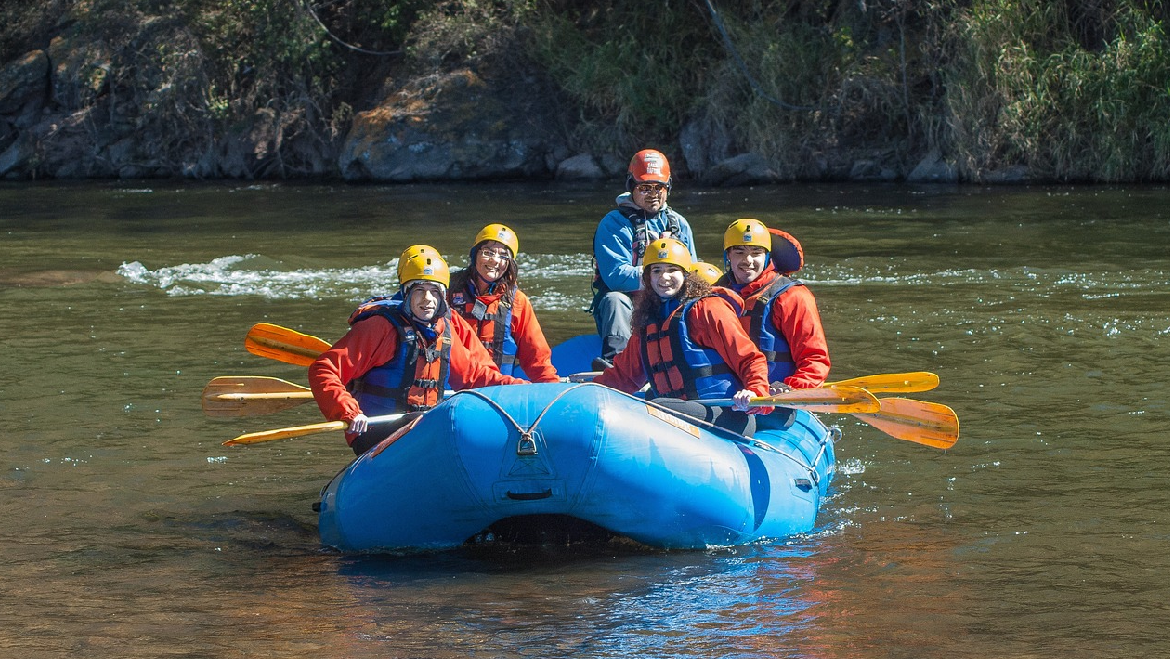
{"x": 795, "y": 315}
{"x": 712, "y": 323}
{"x": 373, "y": 342}
{"x": 532, "y": 352}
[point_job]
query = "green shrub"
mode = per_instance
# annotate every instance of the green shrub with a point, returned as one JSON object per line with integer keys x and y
{"x": 636, "y": 68}
{"x": 1024, "y": 89}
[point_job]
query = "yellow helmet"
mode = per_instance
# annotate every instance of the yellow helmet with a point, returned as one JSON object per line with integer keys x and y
{"x": 747, "y": 232}
{"x": 500, "y": 234}
{"x": 412, "y": 251}
{"x": 707, "y": 271}
{"x": 667, "y": 250}
{"x": 424, "y": 267}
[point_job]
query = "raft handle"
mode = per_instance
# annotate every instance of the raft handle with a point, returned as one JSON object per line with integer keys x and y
{"x": 528, "y": 496}
{"x": 803, "y": 484}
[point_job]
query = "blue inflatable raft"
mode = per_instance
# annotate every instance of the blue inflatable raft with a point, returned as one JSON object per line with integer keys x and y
{"x": 527, "y": 454}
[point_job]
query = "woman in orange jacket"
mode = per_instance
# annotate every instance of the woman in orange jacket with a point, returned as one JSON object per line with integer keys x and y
{"x": 689, "y": 345}
{"x": 399, "y": 355}
{"x": 486, "y": 295}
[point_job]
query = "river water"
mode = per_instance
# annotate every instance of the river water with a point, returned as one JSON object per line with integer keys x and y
{"x": 130, "y": 532}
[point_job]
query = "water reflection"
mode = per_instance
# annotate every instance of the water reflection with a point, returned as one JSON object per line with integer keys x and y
{"x": 588, "y": 602}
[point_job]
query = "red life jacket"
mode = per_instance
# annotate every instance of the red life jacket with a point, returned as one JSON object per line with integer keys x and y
{"x": 492, "y": 322}
{"x": 677, "y": 366}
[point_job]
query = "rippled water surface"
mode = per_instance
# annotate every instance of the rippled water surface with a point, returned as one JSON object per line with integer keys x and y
{"x": 130, "y": 532}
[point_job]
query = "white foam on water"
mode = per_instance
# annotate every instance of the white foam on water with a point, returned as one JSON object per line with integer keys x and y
{"x": 553, "y": 282}
{"x": 250, "y": 274}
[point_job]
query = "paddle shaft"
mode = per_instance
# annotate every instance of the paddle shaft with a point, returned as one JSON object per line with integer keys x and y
{"x": 304, "y": 395}
{"x": 301, "y": 431}
{"x": 885, "y": 383}
{"x": 824, "y": 407}
{"x": 840, "y": 400}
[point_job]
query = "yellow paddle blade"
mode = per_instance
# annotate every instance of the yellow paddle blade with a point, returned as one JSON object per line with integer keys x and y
{"x": 251, "y": 395}
{"x": 831, "y": 400}
{"x": 891, "y": 383}
{"x": 285, "y": 433}
{"x": 932, "y": 424}
{"x": 284, "y": 344}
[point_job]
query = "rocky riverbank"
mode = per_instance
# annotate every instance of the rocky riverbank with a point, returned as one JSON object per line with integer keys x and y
{"x": 465, "y": 124}
{"x": 567, "y": 90}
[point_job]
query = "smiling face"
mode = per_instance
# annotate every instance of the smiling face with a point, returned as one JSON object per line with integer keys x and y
{"x": 650, "y": 197}
{"x": 666, "y": 280}
{"x": 491, "y": 260}
{"x": 426, "y": 298}
{"x": 747, "y": 262}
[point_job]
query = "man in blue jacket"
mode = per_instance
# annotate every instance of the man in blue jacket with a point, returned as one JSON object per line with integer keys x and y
{"x": 641, "y": 217}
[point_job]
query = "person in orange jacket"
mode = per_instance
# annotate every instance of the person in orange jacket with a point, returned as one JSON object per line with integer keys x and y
{"x": 689, "y": 345}
{"x": 780, "y": 313}
{"x": 486, "y": 295}
{"x": 464, "y": 332}
{"x": 399, "y": 355}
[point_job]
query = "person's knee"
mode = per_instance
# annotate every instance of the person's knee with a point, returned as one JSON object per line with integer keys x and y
{"x": 614, "y": 303}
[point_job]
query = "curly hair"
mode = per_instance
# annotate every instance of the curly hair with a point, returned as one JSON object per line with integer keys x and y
{"x": 646, "y": 300}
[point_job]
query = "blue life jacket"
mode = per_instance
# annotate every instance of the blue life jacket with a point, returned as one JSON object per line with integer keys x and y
{"x": 764, "y": 333}
{"x": 677, "y": 367}
{"x": 416, "y": 377}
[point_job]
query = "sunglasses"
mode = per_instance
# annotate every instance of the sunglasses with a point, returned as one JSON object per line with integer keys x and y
{"x": 647, "y": 188}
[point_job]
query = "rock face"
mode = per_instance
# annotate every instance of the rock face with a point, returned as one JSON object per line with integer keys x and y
{"x": 933, "y": 169}
{"x": 63, "y": 114}
{"x": 451, "y": 126}
{"x": 24, "y": 83}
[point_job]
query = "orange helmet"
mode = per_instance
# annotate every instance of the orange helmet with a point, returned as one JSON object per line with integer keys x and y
{"x": 708, "y": 272}
{"x": 667, "y": 250}
{"x": 648, "y": 166}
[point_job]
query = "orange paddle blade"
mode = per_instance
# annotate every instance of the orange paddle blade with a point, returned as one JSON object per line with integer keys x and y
{"x": 284, "y": 344}
{"x": 931, "y": 424}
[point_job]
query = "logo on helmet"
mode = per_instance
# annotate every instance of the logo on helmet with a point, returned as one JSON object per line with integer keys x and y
{"x": 663, "y": 253}
{"x": 747, "y": 237}
{"x": 653, "y": 163}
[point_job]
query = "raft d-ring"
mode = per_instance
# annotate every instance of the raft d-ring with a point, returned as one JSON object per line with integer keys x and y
{"x": 526, "y": 445}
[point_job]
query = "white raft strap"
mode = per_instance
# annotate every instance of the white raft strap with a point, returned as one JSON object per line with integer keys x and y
{"x": 526, "y": 445}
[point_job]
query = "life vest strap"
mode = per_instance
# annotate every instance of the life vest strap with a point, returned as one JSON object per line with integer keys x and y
{"x": 773, "y": 356}
{"x": 362, "y": 387}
